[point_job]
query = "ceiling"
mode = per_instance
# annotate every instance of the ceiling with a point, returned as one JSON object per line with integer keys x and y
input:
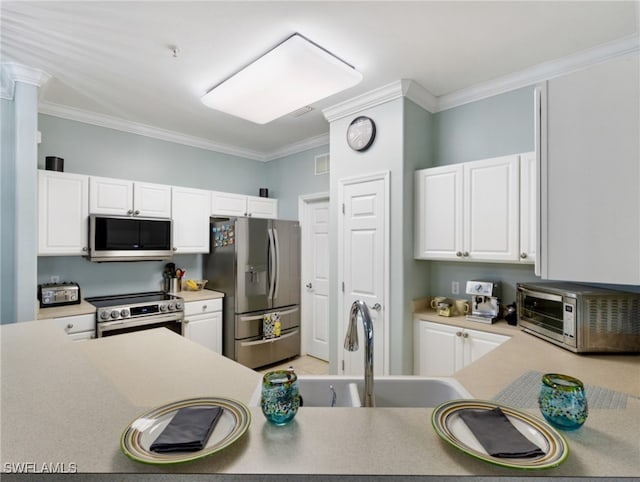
{"x": 115, "y": 59}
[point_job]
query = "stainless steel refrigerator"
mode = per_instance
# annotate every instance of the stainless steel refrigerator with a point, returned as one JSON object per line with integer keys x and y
{"x": 256, "y": 264}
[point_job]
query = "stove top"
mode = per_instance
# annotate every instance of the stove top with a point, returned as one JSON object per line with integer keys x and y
{"x": 121, "y": 307}
{"x": 117, "y": 300}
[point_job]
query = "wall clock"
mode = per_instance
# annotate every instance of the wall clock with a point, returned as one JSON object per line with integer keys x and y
{"x": 361, "y": 133}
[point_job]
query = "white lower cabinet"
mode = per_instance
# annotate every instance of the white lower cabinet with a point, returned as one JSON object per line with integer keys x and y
{"x": 442, "y": 350}
{"x": 79, "y": 328}
{"x": 203, "y": 323}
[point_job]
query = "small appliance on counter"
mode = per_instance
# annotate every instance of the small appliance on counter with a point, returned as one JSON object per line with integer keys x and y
{"x": 485, "y": 301}
{"x": 58, "y": 294}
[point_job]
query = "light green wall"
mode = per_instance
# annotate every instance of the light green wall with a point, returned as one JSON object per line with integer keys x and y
{"x": 7, "y": 210}
{"x": 497, "y": 126}
{"x": 417, "y": 149}
{"x": 98, "y": 151}
{"x": 26, "y": 226}
{"x": 93, "y": 150}
{"x": 396, "y": 151}
{"x": 291, "y": 176}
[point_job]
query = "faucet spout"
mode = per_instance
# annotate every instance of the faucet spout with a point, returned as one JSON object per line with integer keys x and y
{"x": 351, "y": 344}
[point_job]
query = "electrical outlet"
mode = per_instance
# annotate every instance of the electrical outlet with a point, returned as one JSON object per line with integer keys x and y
{"x": 54, "y": 278}
{"x": 455, "y": 287}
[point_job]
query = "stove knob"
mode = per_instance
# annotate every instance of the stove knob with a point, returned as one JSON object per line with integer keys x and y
{"x": 115, "y": 314}
{"x": 179, "y": 305}
{"x": 163, "y": 307}
{"x": 172, "y": 306}
{"x": 104, "y": 315}
{"x": 124, "y": 313}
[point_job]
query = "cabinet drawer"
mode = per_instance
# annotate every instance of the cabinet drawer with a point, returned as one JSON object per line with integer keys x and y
{"x": 203, "y": 306}
{"x": 77, "y": 324}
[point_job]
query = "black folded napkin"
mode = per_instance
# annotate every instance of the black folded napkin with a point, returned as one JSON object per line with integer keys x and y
{"x": 497, "y": 435}
{"x": 188, "y": 430}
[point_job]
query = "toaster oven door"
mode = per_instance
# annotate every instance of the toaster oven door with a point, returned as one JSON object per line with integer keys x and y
{"x": 545, "y": 313}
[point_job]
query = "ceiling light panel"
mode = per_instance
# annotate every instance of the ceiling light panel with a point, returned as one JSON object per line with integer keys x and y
{"x": 292, "y": 75}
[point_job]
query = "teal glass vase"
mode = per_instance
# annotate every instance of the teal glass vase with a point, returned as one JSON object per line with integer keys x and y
{"x": 562, "y": 401}
{"x": 280, "y": 398}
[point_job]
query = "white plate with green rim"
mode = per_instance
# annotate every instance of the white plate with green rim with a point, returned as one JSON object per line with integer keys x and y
{"x": 449, "y": 426}
{"x": 137, "y": 438}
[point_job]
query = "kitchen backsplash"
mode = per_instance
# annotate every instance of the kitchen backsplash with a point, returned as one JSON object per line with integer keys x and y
{"x": 114, "y": 278}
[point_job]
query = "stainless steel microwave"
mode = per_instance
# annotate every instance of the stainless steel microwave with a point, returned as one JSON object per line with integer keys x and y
{"x": 127, "y": 238}
{"x": 580, "y": 318}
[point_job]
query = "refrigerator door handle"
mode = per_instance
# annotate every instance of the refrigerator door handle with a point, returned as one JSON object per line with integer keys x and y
{"x": 272, "y": 256}
{"x": 259, "y": 317}
{"x": 277, "y": 263}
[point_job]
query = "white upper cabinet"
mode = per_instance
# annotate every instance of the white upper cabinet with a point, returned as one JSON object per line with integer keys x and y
{"x": 62, "y": 213}
{"x": 228, "y": 204}
{"x": 439, "y": 212}
{"x": 528, "y": 203}
{"x": 151, "y": 200}
{"x": 262, "y": 207}
{"x": 469, "y": 211}
{"x": 120, "y": 197}
{"x": 190, "y": 213}
{"x": 492, "y": 209}
{"x": 589, "y": 129}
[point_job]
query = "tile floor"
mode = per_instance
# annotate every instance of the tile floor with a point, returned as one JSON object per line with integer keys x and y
{"x": 302, "y": 365}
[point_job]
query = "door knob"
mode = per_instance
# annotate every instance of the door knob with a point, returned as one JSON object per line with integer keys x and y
{"x": 309, "y": 285}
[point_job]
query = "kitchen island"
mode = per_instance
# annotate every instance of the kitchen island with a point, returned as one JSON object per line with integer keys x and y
{"x": 68, "y": 403}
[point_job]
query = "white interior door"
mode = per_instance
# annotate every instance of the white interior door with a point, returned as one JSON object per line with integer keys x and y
{"x": 315, "y": 278}
{"x": 363, "y": 259}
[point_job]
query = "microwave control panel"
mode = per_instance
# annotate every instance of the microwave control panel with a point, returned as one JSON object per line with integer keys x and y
{"x": 569, "y": 318}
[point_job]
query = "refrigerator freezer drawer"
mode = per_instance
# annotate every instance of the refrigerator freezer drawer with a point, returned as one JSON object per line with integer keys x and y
{"x": 250, "y": 326}
{"x": 255, "y": 353}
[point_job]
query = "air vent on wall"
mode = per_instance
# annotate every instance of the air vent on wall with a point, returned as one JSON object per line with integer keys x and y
{"x": 322, "y": 164}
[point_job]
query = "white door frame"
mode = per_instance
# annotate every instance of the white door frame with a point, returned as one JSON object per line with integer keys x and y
{"x": 304, "y": 267}
{"x": 342, "y": 314}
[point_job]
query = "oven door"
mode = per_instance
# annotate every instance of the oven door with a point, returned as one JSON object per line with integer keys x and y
{"x": 173, "y": 322}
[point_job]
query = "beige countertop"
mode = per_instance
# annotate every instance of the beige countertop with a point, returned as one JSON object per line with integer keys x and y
{"x": 69, "y": 402}
{"x": 84, "y": 308}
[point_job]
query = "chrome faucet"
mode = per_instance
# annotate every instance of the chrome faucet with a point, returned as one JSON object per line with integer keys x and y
{"x": 351, "y": 344}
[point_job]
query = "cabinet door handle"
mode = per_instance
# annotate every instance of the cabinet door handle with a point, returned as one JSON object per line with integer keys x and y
{"x": 69, "y": 326}
{"x": 459, "y": 254}
{"x": 465, "y": 335}
{"x": 459, "y": 333}
{"x": 465, "y": 254}
{"x": 523, "y": 255}
{"x": 130, "y": 212}
{"x": 136, "y": 212}
{"x": 204, "y": 307}
{"x": 309, "y": 285}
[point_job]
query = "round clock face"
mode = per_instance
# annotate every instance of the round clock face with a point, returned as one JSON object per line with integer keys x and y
{"x": 361, "y": 133}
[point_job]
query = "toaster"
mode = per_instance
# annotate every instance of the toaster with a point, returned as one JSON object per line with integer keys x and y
{"x": 58, "y": 294}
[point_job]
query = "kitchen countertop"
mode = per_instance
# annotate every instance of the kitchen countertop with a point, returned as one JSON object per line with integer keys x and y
{"x": 84, "y": 307}
{"x": 92, "y": 390}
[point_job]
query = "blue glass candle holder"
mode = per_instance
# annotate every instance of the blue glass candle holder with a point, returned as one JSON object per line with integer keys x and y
{"x": 562, "y": 401}
{"x": 280, "y": 398}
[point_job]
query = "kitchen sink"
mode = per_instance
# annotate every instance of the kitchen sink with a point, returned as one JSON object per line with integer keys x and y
{"x": 390, "y": 391}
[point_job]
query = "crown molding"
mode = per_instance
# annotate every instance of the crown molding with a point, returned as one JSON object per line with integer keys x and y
{"x": 110, "y": 122}
{"x": 370, "y": 99}
{"x": 296, "y": 147}
{"x": 420, "y": 96}
{"x": 13, "y": 72}
{"x": 547, "y": 70}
